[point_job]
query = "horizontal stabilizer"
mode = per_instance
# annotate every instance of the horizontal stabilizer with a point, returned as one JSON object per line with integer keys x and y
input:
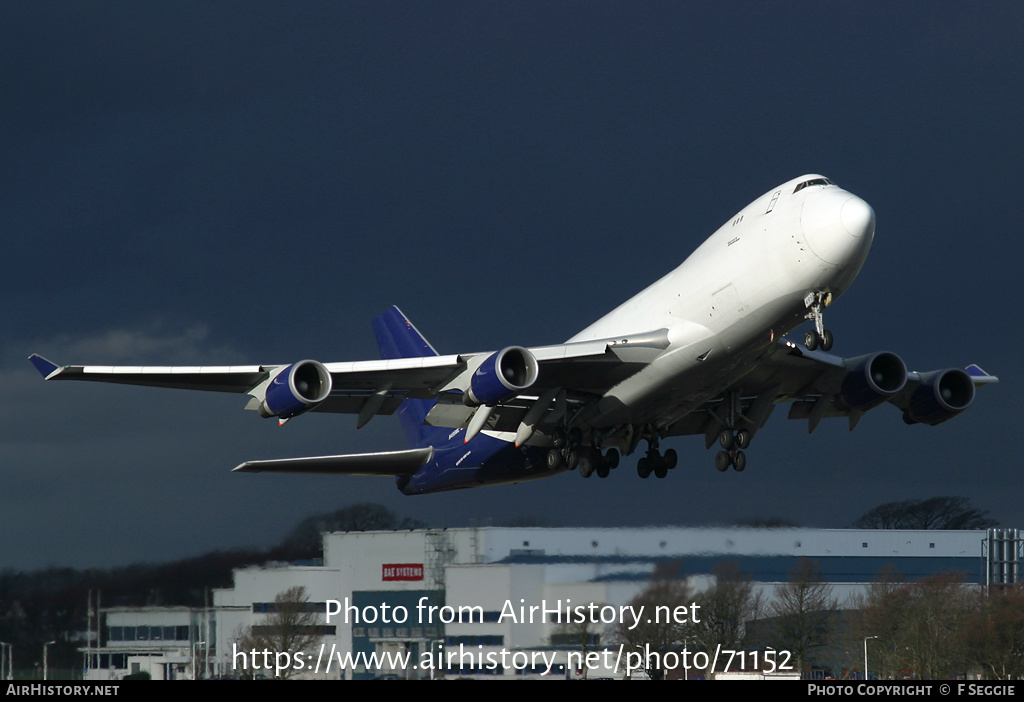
{"x": 382, "y": 463}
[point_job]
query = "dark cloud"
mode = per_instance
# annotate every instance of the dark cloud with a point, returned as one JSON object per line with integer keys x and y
{"x": 256, "y": 181}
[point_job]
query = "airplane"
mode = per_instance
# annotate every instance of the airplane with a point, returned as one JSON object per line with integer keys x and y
{"x": 702, "y": 351}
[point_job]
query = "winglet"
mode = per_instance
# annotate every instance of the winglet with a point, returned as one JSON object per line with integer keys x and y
{"x": 979, "y": 376}
{"x": 46, "y": 368}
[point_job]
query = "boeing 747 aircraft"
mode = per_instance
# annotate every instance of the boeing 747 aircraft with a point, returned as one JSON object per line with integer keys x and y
{"x": 701, "y": 351}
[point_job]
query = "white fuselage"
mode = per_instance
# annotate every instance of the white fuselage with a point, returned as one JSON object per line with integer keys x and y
{"x": 739, "y": 291}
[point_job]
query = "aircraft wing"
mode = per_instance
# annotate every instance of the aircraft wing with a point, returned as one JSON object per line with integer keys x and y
{"x": 820, "y": 385}
{"x": 350, "y": 383}
{"x": 368, "y": 388}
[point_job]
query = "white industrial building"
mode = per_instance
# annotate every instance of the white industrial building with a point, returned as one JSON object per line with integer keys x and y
{"x": 486, "y": 602}
{"x": 165, "y": 642}
{"x": 473, "y": 595}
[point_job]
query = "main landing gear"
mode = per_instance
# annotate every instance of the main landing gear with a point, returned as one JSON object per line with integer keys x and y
{"x": 732, "y": 454}
{"x": 732, "y": 444}
{"x": 591, "y": 461}
{"x": 569, "y": 453}
{"x": 654, "y": 462}
{"x": 819, "y": 336}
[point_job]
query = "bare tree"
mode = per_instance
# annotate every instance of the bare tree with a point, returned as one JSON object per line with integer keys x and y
{"x": 580, "y": 634}
{"x": 995, "y": 637}
{"x": 292, "y": 626}
{"x": 725, "y": 609}
{"x": 933, "y": 513}
{"x": 803, "y": 612}
{"x": 921, "y": 626}
{"x": 657, "y": 634}
{"x": 940, "y": 609}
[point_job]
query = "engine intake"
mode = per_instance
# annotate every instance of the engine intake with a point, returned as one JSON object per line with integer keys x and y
{"x": 874, "y": 379}
{"x": 298, "y": 388}
{"x": 504, "y": 374}
{"x": 942, "y": 395}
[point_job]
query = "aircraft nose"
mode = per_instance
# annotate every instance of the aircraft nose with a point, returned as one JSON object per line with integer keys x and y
{"x": 838, "y": 227}
{"x": 858, "y": 218}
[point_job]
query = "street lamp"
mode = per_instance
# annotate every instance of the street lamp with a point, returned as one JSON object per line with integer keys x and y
{"x": 866, "y": 655}
{"x": 10, "y": 660}
{"x": 45, "y": 667}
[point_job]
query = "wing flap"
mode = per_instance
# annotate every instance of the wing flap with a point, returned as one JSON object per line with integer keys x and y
{"x": 384, "y": 463}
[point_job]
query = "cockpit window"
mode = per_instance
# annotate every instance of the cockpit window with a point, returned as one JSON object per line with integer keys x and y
{"x": 812, "y": 181}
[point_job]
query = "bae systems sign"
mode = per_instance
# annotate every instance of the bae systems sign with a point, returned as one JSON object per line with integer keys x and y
{"x": 401, "y": 571}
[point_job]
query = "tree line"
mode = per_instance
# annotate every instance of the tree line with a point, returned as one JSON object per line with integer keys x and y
{"x": 937, "y": 627}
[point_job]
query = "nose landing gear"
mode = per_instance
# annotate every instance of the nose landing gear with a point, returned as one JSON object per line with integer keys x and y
{"x": 819, "y": 336}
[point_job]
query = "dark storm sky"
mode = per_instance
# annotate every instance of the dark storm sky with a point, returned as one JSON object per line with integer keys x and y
{"x": 254, "y": 182}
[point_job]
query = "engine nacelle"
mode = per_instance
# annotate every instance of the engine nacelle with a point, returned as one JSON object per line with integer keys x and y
{"x": 942, "y": 395}
{"x": 504, "y": 374}
{"x": 873, "y": 380}
{"x": 298, "y": 388}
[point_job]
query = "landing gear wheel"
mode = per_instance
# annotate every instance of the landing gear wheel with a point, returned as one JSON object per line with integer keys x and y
{"x": 643, "y": 468}
{"x": 558, "y": 438}
{"x": 826, "y": 340}
{"x": 554, "y": 460}
{"x": 725, "y": 438}
{"x": 573, "y": 460}
{"x": 743, "y": 438}
{"x": 612, "y": 459}
{"x": 586, "y": 465}
{"x": 739, "y": 461}
{"x": 722, "y": 461}
{"x": 656, "y": 463}
{"x": 671, "y": 458}
{"x": 603, "y": 469}
{"x": 811, "y": 340}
